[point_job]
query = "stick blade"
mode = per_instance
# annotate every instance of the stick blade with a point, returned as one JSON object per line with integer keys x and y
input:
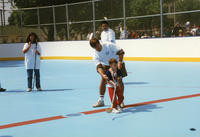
{"x": 109, "y": 110}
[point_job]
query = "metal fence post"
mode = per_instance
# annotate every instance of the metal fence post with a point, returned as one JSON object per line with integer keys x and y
{"x": 2, "y": 31}
{"x": 22, "y": 24}
{"x": 38, "y": 15}
{"x": 94, "y": 22}
{"x": 124, "y": 12}
{"x": 161, "y": 18}
{"x": 54, "y": 23}
{"x": 174, "y": 14}
{"x": 67, "y": 20}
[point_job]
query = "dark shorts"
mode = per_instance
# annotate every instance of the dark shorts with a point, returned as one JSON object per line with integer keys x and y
{"x": 123, "y": 69}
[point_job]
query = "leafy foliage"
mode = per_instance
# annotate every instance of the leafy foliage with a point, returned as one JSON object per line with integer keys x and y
{"x": 104, "y": 8}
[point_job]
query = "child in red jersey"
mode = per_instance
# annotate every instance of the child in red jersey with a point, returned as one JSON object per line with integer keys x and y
{"x": 114, "y": 78}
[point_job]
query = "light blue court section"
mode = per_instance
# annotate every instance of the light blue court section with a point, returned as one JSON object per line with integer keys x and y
{"x": 72, "y": 86}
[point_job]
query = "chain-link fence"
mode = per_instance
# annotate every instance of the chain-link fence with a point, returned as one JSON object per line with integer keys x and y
{"x": 75, "y": 21}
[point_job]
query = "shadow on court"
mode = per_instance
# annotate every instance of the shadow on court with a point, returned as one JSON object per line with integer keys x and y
{"x": 133, "y": 110}
{"x": 8, "y": 64}
{"x": 51, "y": 90}
{"x": 45, "y": 90}
{"x": 135, "y": 83}
{"x": 6, "y": 136}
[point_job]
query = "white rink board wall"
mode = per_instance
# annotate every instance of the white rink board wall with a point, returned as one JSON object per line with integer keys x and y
{"x": 58, "y": 48}
{"x": 66, "y": 48}
{"x": 11, "y": 50}
{"x": 160, "y": 47}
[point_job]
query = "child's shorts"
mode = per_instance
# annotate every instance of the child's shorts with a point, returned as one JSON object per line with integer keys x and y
{"x": 105, "y": 68}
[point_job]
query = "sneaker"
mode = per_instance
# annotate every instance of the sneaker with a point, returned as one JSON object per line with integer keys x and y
{"x": 99, "y": 104}
{"x": 120, "y": 109}
{"x": 2, "y": 89}
{"x": 29, "y": 89}
{"x": 122, "y": 105}
{"x": 116, "y": 111}
{"x": 39, "y": 89}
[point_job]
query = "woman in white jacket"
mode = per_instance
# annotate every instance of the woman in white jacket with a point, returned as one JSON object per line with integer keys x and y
{"x": 32, "y": 53}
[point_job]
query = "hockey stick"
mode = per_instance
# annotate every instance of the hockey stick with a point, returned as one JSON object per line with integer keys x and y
{"x": 34, "y": 75}
{"x": 109, "y": 110}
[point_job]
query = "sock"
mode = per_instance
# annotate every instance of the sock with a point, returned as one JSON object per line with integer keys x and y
{"x": 101, "y": 98}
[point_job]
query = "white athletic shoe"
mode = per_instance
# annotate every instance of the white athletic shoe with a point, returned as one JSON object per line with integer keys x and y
{"x": 116, "y": 111}
{"x": 29, "y": 89}
{"x": 122, "y": 105}
{"x": 120, "y": 109}
{"x": 99, "y": 104}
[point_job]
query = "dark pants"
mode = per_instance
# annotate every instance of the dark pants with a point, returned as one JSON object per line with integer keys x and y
{"x": 30, "y": 77}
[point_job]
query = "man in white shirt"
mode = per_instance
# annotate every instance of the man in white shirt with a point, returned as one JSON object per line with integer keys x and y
{"x": 107, "y": 35}
{"x": 32, "y": 53}
{"x": 103, "y": 53}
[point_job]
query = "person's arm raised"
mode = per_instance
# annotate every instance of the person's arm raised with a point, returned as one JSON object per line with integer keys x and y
{"x": 121, "y": 57}
{"x": 26, "y": 49}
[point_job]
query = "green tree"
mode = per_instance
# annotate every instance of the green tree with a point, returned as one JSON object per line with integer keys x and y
{"x": 79, "y": 12}
{"x": 104, "y": 8}
{"x": 30, "y": 16}
{"x": 140, "y": 8}
{"x": 186, "y": 5}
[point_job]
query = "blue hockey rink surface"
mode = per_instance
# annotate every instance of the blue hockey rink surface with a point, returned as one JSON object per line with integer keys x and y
{"x": 171, "y": 91}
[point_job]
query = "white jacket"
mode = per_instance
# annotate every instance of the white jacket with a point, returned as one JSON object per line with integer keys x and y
{"x": 30, "y": 56}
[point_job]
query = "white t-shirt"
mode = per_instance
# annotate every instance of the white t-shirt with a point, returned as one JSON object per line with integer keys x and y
{"x": 109, "y": 50}
{"x": 193, "y": 31}
{"x": 122, "y": 33}
{"x": 30, "y": 56}
{"x": 108, "y": 36}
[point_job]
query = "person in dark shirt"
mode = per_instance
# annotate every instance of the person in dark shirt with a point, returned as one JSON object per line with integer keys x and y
{"x": 176, "y": 30}
{"x": 114, "y": 78}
